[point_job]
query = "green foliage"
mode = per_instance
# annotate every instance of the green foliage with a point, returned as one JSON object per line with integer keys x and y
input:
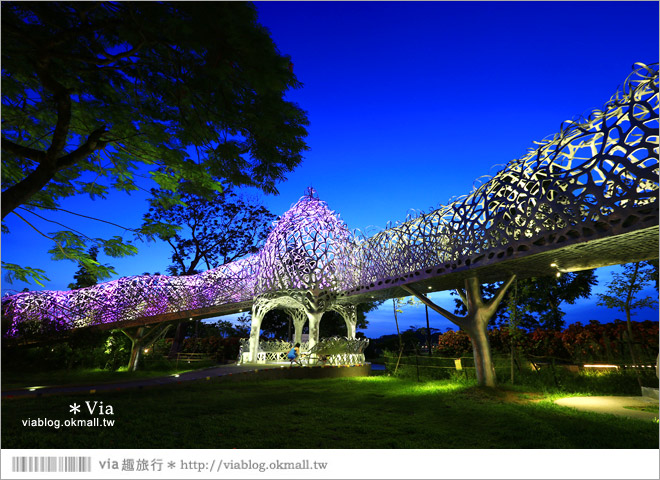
{"x": 622, "y": 291}
{"x": 655, "y": 271}
{"x": 117, "y": 349}
{"x": 594, "y": 342}
{"x": 401, "y": 302}
{"x": 223, "y": 328}
{"x": 539, "y": 298}
{"x": 24, "y": 274}
{"x": 333, "y": 324}
{"x": 556, "y": 379}
{"x": 414, "y": 366}
{"x": 546, "y": 377}
{"x": 547, "y": 349}
{"x": 81, "y": 349}
{"x": 97, "y": 96}
{"x": 217, "y": 348}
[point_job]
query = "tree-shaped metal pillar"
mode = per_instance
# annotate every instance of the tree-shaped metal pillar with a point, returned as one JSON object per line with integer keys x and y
{"x": 588, "y": 194}
{"x": 299, "y": 317}
{"x": 475, "y": 323}
{"x": 304, "y": 262}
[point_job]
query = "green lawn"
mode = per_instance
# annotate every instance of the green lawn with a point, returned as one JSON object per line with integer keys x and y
{"x": 370, "y": 412}
{"x": 22, "y": 379}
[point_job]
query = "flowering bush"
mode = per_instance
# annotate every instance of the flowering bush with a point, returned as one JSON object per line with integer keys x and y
{"x": 577, "y": 343}
{"x": 454, "y": 344}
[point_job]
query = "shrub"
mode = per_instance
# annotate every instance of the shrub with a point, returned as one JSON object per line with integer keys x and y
{"x": 576, "y": 344}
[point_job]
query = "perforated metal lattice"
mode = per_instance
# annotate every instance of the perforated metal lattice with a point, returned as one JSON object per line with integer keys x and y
{"x": 595, "y": 178}
{"x": 308, "y": 249}
{"x": 592, "y": 175}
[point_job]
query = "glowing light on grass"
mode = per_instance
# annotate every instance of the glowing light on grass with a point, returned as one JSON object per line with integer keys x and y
{"x": 429, "y": 388}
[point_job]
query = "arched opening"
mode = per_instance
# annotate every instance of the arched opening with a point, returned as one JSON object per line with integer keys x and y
{"x": 277, "y": 325}
{"x": 332, "y": 325}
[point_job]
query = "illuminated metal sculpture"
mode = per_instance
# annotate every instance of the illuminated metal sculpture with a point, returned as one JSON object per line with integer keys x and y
{"x": 303, "y": 264}
{"x": 597, "y": 175}
{"x": 596, "y": 179}
{"x": 131, "y": 298}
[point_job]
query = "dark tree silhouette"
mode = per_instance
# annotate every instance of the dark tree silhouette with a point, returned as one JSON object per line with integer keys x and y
{"x": 212, "y": 230}
{"x": 83, "y": 277}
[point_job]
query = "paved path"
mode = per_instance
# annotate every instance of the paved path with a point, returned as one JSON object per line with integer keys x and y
{"x": 612, "y": 405}
{"x": 207, "y": 373}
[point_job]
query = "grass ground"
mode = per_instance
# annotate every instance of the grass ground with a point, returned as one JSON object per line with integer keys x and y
{"x": 13, "y": 379}
{"x": 653, "y": 408}
{"x": 370, "y": 412}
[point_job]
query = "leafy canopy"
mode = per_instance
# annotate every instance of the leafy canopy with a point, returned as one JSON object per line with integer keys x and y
{"x": 121, "y": 95}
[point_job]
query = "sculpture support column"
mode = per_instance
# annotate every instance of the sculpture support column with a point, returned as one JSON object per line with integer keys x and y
{"x": 475, "y": 323}
{"x": 143, "y": 337}
{"x": 314, "y": 322}
{"x": 259, "y": 310}
{"x": 350, "y": 327}
{"x": 299, "y": 318}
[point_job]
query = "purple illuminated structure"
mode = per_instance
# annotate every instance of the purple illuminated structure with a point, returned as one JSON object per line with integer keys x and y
{"x": 585, "y": 198}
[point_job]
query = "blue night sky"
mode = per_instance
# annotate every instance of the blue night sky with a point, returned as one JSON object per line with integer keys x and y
{"x": 409, "y": 104}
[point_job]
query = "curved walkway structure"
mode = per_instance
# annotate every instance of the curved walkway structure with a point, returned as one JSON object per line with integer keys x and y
{"x": 585, "y": 198}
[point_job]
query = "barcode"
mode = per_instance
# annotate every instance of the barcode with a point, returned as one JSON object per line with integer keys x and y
{"x": 51, "y": 464}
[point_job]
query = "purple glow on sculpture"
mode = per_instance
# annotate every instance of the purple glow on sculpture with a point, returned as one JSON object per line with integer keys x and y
{"x": 308, "y": 249}
{"x": 596, "y": 174}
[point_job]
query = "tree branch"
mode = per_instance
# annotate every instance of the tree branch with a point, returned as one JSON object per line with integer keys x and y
{"x": 461, "y": 293}
{"x": 494, "y": 302}
{"x": 80, "y": 215}
{"x": 92, "y": 144}
{"x": 63, "y": 106}
{"x": 56, "y": 223}
{"x": 473, "y": 294}
{"x": 426, "y": 301}
{"x": 631, "y": 286}
{"x": 43, "y": 234}
{"x": 21, "y": 192}
{"x": 27, "y": 152}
